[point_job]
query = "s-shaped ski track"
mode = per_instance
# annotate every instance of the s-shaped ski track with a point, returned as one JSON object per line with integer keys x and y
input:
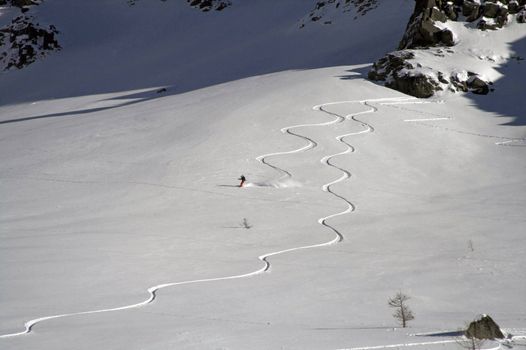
{"x": 152, "y": 291}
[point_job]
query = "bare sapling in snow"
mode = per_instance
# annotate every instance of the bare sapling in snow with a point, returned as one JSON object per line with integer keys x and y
{"x": 402, "y": 312}
{"x": 245, "y": 224}
{"x": 470, "y": 342}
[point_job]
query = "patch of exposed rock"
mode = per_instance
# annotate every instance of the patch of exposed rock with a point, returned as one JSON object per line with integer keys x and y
{"x": 203, "y": 5}
{"x": 400, "y": 70}
{"x": 23, "y": 5}
{"x": 427, "y": 30}
{"x": 24, "y": 40}
{"x": 399, "y": 73}
{"x": 323, "y": 9}
{"x": 208, "y": 5}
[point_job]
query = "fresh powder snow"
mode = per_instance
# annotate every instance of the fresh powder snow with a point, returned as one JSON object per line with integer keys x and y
{"x": 123, "y": 225}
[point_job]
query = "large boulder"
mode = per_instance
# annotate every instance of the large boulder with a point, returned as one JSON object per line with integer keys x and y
{"x": 513, "y": 7}
{"x": 471, "y": 10}
{"x": 399, "y": 73}
{"x": 417, "y": 85}
{"x": 491, "y": 9}
{"x": 478, "y": 86}
{"x": 391, "y": 63}
{"x": 484, "y": 328}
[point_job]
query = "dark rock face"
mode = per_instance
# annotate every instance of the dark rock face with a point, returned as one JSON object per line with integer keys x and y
{"x": 513, "y": 7}
{"x": 491, "y": 10}
{"x": 477, "y": 85}
{"x": 20, "y": 3}
{"x": 422, "y": 30}
{"x": 207, "y": 5}
{"x": 484, "y": 328}
{"x": 360, "y": 6}
{"x": 23, "y": 42}
{"x": 471, "y": 10}
{"x": 419, "y": 85}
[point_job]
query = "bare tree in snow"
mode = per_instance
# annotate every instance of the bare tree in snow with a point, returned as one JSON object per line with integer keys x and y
{"x": 470, "y": 342}
{"x": 245, "y": 224}
{"x": 402, "y": 312}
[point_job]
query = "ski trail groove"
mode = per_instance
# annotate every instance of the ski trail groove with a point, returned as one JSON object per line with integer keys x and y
{"x": 397, "y": 346}
{"x": 152, "y": 291}
{"x": 504, "y": 141}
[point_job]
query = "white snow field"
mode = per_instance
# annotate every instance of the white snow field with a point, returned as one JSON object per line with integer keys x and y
{"x": 121, "y": 226}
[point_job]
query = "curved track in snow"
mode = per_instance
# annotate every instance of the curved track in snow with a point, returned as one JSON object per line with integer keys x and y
{"x": 152, "y": 291}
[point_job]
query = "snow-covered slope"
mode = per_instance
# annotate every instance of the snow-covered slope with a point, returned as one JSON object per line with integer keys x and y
{"x": 168, "y": 43}
{"x": 122, "y": 227}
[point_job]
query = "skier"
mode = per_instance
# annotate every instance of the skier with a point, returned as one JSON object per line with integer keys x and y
{"x": 242, "y": 178}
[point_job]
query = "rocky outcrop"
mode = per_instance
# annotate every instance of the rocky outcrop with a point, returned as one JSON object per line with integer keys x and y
{"x": 23, "y": 5}
{"x": 208, "y": 5}
{"x": 399, "y": 73}
{"x": 427, "y": 29}
{"x": 24, "y": 40}
{"x": 203, "y": 5}
{"x": 484, "y": 328}
{"x": 323, "y": 8}
{"x": 423, "y": 29}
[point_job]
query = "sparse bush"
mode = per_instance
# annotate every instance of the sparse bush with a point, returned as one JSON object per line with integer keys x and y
{"x": 470, "y": 342}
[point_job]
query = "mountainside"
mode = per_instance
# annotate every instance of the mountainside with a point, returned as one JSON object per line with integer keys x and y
{"x": 126, "y": 126}
{"x": 185, "y": 48}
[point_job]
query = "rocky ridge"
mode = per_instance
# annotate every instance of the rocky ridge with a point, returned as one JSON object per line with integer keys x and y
{"x": 428, "y": 34}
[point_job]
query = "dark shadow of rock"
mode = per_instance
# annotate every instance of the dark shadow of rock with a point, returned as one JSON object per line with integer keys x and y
{"x": 135, "y": 97}
{"x": 358, "y": 73}
{"x": 508, "y": 96}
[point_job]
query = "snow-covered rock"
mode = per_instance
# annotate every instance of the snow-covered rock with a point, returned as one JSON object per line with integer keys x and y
{"x": 24, "y": 40}
{"x": 432, "y": 25}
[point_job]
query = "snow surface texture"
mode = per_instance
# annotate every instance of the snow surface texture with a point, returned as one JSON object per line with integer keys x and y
{"x": 120, "y": 212}
{"x": 284, "y": 270}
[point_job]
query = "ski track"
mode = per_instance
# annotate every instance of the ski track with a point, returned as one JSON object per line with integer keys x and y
{"x": 152, "y": 291}
{"x": 391, "y": 346}
{"x": 505, "y": 141}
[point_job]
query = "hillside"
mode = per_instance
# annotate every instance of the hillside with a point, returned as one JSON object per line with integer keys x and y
{"x": 168, "y": 43}
{"x": 123, "y": 227}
